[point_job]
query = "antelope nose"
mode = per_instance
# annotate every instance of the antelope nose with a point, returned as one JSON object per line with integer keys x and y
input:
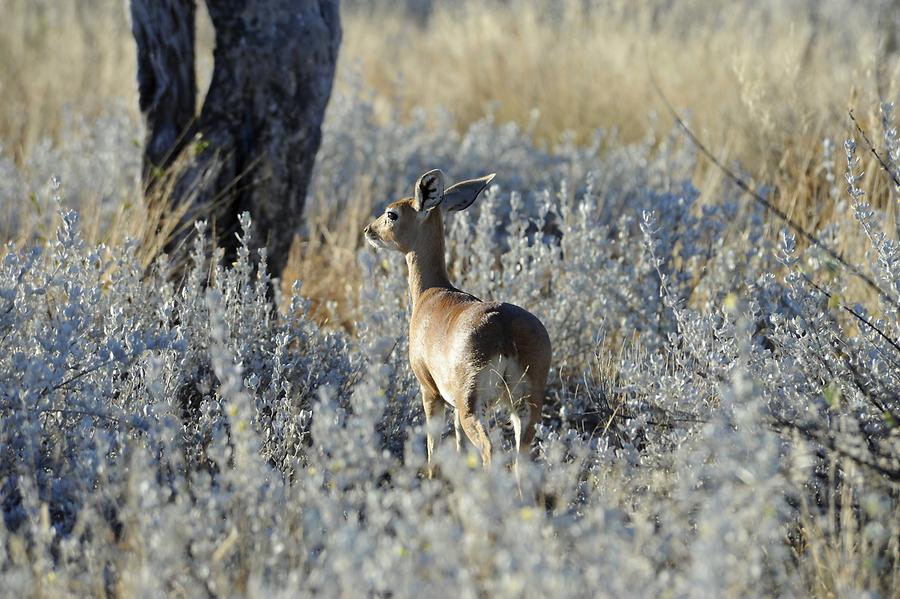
{"x": 368, "y": 230}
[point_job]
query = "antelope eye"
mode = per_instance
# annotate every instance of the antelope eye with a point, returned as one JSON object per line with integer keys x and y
{"x": 392, "y": 215}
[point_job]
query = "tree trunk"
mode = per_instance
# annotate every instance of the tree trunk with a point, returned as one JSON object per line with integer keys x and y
{"x": 253, "y": 145}
{"x": 167, "y": 87}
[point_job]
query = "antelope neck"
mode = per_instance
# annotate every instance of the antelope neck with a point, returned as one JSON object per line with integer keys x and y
{"x": 426, "y": 265}
{"x": 427, "y": 269}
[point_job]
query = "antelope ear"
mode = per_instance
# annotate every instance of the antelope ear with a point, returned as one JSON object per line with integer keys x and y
{"x": 461, "y": 195}
{"x": 429, "y": 190}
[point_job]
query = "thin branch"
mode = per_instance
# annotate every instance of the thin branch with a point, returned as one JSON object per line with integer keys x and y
{"x": 78, "y": 412}
{"x": 855, "y": 314}
{"x": 759, "y": 199}
{"x": 78, "y": 375}
{"x": 827, "y": 439}
{"x": 872, "y": 149}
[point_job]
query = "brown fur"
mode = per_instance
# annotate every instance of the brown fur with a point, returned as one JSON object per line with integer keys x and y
{"x": 455, "y": 338}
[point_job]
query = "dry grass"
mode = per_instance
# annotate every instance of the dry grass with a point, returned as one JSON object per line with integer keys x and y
{"x": 325, "y": 261}
{"x": 763, "y": 87}
{"x": 58, "y": 59}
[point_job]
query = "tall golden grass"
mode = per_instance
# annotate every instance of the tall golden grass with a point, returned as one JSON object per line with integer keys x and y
{"x": 762, "y": 85}
{"x": 59, "y": 58}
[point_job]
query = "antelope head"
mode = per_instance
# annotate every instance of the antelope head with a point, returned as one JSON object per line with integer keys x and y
{"x": 412, "y": 224}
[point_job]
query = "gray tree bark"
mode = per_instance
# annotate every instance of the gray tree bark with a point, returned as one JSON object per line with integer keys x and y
{"x": 167, "y": 87}
{"x": 253, "y": 144}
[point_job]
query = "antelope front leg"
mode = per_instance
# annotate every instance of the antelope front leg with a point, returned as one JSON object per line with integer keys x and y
{"x": 434, "y": 406}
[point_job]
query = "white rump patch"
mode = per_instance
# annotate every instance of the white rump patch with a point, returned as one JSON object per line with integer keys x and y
{"x": 502, "y": 379}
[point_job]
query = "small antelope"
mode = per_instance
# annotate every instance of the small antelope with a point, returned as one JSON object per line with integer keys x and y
{"x": 464, "y": 352}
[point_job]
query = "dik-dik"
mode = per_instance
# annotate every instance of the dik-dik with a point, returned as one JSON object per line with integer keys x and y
{"x": 464, "y": 352}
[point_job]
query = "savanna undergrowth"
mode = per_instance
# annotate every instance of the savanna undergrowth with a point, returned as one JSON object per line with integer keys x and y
{"x": 722, "y": 417}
